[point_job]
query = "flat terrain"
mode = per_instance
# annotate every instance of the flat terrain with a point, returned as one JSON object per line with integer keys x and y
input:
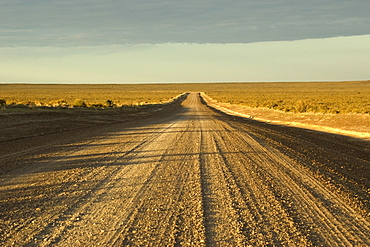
{"x": 183, "y": 175}
{"x": 355, "y": 125}
{"x": 348, "y": 97}
{"x": 67, "y": 94}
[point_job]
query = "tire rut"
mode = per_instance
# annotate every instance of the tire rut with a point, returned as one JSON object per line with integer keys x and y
{"x": 311, "y": 200}
{"x": 188, "y": 177}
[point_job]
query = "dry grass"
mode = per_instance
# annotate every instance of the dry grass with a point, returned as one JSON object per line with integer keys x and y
{"x": 316, "y": 97}
{"x": 91, "y": 95}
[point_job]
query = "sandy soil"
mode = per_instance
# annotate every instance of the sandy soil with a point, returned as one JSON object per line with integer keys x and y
{"x": 184, "y": 175}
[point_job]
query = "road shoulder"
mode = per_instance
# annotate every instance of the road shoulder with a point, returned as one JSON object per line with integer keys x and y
{"x": 353, "y": 125}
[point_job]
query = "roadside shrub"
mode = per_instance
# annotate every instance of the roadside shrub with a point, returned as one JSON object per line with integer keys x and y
{"x": 301, "y": 106}
{"x": 2, "y": 103}
{"x": 97, "y": 105}
{"x": 79, "y": 103}
{"x": 62, "y": 103}
{"x": 110, "y": 103}
{"x": 32, "y": 105}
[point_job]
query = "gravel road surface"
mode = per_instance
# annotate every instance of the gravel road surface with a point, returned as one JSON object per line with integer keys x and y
{"x": 185, "y": 176}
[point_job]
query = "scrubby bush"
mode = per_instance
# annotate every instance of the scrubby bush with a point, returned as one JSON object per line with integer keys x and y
{"x": 110, "y": 103}
{"x": 32, "y": 105}
{"x": 79, "y": 103}
{"x": 62, "y": 103}
{"x": 301, "y": 106}
{"x": 97, "y": 105}
{"x": 2, "y": 103}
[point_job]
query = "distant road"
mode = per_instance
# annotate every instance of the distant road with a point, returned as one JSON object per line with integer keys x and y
{"x": 187, "y": 175}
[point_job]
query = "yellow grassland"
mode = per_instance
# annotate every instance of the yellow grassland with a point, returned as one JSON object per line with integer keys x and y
{"x": 314, "y": 97}
{"x": 91, "y": 94}
{"x": 298, "y": 97}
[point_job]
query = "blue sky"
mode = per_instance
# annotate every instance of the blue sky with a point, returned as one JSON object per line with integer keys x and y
{"x": 178, "y": 41}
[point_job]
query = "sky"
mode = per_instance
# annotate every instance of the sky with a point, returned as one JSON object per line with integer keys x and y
{"x": 91, "y": 41}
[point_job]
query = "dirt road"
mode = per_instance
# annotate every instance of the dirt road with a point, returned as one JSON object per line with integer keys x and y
{"x": 185, "y": 176}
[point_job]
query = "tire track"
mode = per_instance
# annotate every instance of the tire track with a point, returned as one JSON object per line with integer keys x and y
{"x": 310, "y": 200}
{"x": 269, "y": 224}
{"x": 221, "y": 198}
{"x": 124, "y": 185}
{"x": 174, "y": 195}
{"x": 61, "y": 210}
{"x": 192, "y": 178}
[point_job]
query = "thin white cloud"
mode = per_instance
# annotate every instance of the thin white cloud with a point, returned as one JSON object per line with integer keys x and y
{"x": 95, "y": 22}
